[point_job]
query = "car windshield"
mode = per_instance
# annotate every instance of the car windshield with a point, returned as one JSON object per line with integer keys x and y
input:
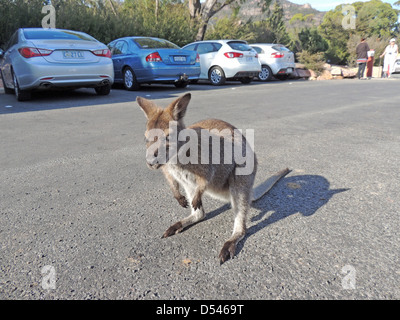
{"x": 56, "y": 35}
{"x": 153, "y": 43}
{"x": 239, "y": 45}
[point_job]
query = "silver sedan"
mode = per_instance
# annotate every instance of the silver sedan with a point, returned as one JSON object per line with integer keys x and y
{"x": 50, "y": 58}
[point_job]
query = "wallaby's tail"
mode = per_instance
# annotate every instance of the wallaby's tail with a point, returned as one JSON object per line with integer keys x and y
{"x": 264, "y": 187}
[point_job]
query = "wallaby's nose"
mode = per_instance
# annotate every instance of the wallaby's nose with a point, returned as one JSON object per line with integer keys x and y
{"x": 151, "y": 158}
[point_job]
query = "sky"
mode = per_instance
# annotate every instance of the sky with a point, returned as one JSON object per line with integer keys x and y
{"x": 326, "y": 5}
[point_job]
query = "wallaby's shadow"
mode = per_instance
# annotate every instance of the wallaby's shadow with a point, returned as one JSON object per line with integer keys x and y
{"x": 302, "y": 194}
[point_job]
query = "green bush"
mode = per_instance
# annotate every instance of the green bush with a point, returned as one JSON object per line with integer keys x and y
{"x": 312, "y": 61}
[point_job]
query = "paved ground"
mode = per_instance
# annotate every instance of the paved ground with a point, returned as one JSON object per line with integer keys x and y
{"x": 78, "y": 200}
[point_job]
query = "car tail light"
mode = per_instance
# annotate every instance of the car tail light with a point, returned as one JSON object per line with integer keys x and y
{"x": 231, "y": 55}
{"x": 153, "y": 57}
{"x": 277, "y": 55}
{"x": 197, "y": 58}
{"x": 27, "y": 52}
{"x": 102, "y": 53}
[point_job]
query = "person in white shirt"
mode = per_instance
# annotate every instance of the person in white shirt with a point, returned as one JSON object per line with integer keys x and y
{"x": 390, "y": 54}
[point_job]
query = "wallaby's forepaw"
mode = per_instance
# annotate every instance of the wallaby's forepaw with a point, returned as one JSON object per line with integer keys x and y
{"x": 196, "y": 203}
{"x": 227, "y": 252}
{"x": 182, "y": 201}
{"x": 174, "y": 229}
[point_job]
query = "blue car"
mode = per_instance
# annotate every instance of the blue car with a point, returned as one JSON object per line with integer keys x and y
{"x": 140, "y": 60}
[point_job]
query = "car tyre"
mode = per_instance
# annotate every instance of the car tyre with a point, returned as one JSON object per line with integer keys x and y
{"x": 6, "y": 89}
{"x": 216, "y": 76}
{"x": 21, "y": 95}
{"x": 265, "y": 74}
{"x": 181, "y": 84}
{"x": 103, "y": 90}
{"x": 246, "y": 80}
{"x": 282, "y": 77}
{"x": 130, "y": 82}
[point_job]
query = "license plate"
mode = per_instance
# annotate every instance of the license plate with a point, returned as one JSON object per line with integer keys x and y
{"x": 179, "y": 58}
{"x": 73, "y": 55}
{"x": 289, "y": 70}
{"x": 249, "y": 58}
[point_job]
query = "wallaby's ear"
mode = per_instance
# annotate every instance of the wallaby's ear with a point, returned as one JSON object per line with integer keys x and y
{"x": 147, "y": 106}
{"x": 177, "y": 109}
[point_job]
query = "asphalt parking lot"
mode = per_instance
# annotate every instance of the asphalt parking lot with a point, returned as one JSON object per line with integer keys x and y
{"x": 81, "y": 216}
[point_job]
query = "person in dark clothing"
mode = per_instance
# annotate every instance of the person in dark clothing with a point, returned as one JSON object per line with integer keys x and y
{"x": 362, "y": 57}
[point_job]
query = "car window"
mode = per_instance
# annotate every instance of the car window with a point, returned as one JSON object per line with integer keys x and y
{"x": 118, "y": 48}
{"x": 239, "y": 45}
{"x": 217, "y": 46}
{"x": 111, "y": 46}
{"x": 153, "y": 43}
{"x": 191, "y": 47}
{"x": 280, "y": 48}
{"x": 46, "y": 34}
{"x": 208, "y": 47}
{"x": 13, "y": 40}
{"x": 258, "y": 49}
{"x": 124, "y": 47}
{"x": 205, "y": 48}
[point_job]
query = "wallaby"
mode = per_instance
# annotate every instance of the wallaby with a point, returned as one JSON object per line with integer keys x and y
{"x": 218, "y": 180}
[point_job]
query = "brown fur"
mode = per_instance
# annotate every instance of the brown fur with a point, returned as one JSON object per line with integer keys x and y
{"x": 217, "y": 180}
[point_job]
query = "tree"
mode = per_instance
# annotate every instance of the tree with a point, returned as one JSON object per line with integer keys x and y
{"x": 376, "y": 18}
{"x": 277, "y": 25}
{"x": 166, "y": 19}
{"x": 201, "y": 13}
{"x": 312, "y": 41}
{"x": 373, "y": 18}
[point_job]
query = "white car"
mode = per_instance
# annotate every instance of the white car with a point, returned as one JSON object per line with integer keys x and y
{"x": 276, "y": 60}
{"x": 396, "y": 68}
{"x": 222, "y": 60}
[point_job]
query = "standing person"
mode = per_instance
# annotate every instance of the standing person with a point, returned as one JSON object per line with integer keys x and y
{"x": 362, "y": 57}
{"x": 390, "y": 54}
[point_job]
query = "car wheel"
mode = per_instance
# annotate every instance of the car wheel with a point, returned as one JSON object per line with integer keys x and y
{"x": 130, "y": 82}
{"x": 181, "y": 84}
{"x": 216, "y": 76}
{"x": 21, "y": 95}
{"x": 282, "y": 77}
{"x": 246, "y": 80}
{"x": 265, "y": 74}
{"x": 103, "y": 90}
{"x": 6, "y": 89}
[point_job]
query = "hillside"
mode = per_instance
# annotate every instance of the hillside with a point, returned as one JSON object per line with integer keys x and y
{"x": 252, "y": 10}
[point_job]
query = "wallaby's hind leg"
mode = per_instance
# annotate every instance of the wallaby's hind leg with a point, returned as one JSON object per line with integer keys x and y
{"x": 194, "y": 197}
{"x": 240, "y": 204}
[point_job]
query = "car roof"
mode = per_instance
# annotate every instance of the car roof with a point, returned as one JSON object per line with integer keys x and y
{"x": 266, "y": 44}
{"x": 49, "y": 29}
{"x": 218, "y": 41}
{"x": 139, "y": 37}
{"x": 224, "y": 41}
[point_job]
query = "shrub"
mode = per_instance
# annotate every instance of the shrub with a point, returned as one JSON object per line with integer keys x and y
{"x": 312, "y": 61}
